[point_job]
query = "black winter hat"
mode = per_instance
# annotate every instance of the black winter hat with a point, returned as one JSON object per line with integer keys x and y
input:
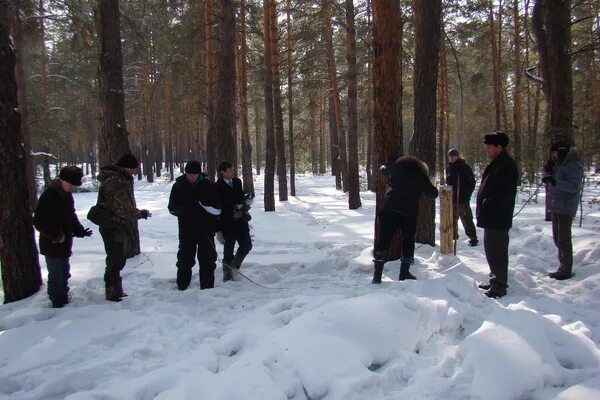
{"x": 193, "y": 167}
{"x": 71, "y": 174}
{"x": 453, "y": 152}
{"x": 128, "y": 161}
{"x": 560, "y": 146}
{"x": 497, "y": 138}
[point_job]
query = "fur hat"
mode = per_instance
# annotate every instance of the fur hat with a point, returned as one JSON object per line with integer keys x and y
{"x": 193, "y": 167}
{"x": 128, "y": 161}
{"x": 497, "y": 138}
{"x": 71, "y": 174}
{"x": 453, "y": 152}
{"x": 561, "y": 146}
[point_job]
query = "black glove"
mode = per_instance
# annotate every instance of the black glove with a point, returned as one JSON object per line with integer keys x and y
{"x": 87, "y": 232}
{"x": 549, "y": 179}
{"x": 144, "y": 214}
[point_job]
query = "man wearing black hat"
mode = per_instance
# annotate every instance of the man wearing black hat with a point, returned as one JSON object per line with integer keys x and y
{"x": 460, "y": 176}
{"x": 120, "y": 233}
{"x": 495, "y": 206}
{"x": 563, "y": 175}
{"x": 57, "y": 223}
{"x": 234, "y": 219}
{"x": 195, "y": 203}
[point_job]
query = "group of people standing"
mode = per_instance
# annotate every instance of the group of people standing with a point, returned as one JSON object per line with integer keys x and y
{"x": 408, "y": 180}
{"x": 201, "y": 206}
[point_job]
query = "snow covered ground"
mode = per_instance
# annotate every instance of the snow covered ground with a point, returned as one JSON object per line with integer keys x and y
{"x": 321, "y": 330}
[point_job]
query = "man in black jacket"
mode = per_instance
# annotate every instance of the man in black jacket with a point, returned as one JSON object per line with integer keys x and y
{"x": 195, "y": 203}
{"x": 408, "y": 179}
{"x": 495, "y": 206}
{"x": 234, "y": 219}
{"x": 57, "y": 223}
{"x": 460, "y": 176}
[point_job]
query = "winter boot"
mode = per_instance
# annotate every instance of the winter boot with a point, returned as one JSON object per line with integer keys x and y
{"x": 119, "y": 288}
{"x": 112, "y": 292}
{"x": 238, "y": 259}
{"x": 377, "y": 272}
{"x": 227, "y": 273}
{"x": 561, "y": 275}
{"x": 485, "y": 286}
{"x": 496, "y": 291}
{"x": 473, "y": 242}
{"x": 404, "y": 271}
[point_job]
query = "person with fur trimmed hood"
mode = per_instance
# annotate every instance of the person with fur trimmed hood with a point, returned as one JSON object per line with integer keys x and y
{"x": 408, "y": 180}
{"x": 563, "y": 174}
{"x": 120, "y": 234}
{"x": 57, "y": 223}
{"x": 495, "y": 206}
{"x": 194, "y": 200}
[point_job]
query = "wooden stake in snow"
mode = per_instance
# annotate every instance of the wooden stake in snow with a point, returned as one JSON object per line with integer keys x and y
{"x": 446, "y": 220}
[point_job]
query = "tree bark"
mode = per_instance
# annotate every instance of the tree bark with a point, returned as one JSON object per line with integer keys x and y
{"x": 518, "y": 72}
{"x": 21, "y": 276}
{"x": 245, "y": 131}
{"x": 277, "y": 108}
{"x": 211, "y": 134}
{"x": 258, "y": 136}
{"x": 333, "y": 141}
{"x": 353, "y": 182}
{"x": 224, "y": 118}
{"x": 269, "y": 191}
{"x": 551, "y": 20}
{"x": 113, "y": 142}
{"x": 427, "y": 16}
{"x": 386, "y": 92}
{"x": 495, "y": 68}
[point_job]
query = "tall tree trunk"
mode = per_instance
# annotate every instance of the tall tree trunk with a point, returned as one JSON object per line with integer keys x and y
{"x": 269, "y": 191}
{"x": 224, "y": 118}
{"x": 20, "y": 38}
{"x": 551, "y": 20}
{"x": 443, "y": 134}
{"x": 21, "y": 276}
{"x": 211, "y": 134}
{"x": 290, "y": 98}
{"x": 529, "y": 152}
{"x": 386, "y": 92}
{"x": 169, "y": 121}
{"x": 371, "y": 180}
{"x": 277, "y": 107}
{"x": 322, "y": 139}
{"x": 495, "y": 68}
{"x": 335, "y": 96}
{"x": 44, "y": 119}
{"x": 258, "y": 136}
{"x": 246, "y": 146}
{"x": 353, "y": 182}
{"x": 427, "y": 16}
{"x": 314, "y": 144}
{"x": 146, "y": 135}
{"x": 113, "y": 139}
{"x": 518, "y": 71}
{"x": 336, "y": 168}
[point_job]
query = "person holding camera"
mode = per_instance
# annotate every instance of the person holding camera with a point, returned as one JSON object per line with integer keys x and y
{"x": 234, "y": 219}
{"x": 195, "y": 202}
{"x": 57, "y": 223}
{"x": 563, "y": 176}
{"x": 119, "y": 234}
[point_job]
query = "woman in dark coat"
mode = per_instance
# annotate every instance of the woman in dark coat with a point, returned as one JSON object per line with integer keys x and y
{"x": 408, "y": 180}
{"x": 57, "y": 223}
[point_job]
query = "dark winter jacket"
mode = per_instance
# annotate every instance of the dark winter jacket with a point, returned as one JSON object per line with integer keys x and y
{"x": 232, "y": 198}
{"x": 565, "y": 194}
{"x": 408, "y": 179}
{"x": 116, "y": 195}
{"x": 55, "y": 216}
{"x": 186, "y": 201}
{"x": 460, "y": 176}
{"x": 497, "y": 191}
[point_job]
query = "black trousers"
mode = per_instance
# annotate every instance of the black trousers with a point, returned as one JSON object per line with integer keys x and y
{"x": 561, "y": 233}
{"x": 58, "y": 278}
{"x": 495, "y": 243}
{"x": 201, "y": 245}
{"x": 236, "y": 232}
{"x": 389, "y": 223}
{"x": 115, "y": 245}
{"x": 463, "y": 211}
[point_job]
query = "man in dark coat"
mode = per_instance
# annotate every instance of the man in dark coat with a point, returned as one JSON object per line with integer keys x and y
{"x": 408, "y": 180}
{"x": 563, "y": 173}
{"x": 120, "y": 233}
{"x": 234, "y": 219}
{"x": 495, "y": 206}
{"x": 460, "y": 176}
{"x": 57, "y": 223}
{"x": 195, "y": 203}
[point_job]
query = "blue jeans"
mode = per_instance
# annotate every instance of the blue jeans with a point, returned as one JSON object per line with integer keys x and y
{"x": 58, "y": 279}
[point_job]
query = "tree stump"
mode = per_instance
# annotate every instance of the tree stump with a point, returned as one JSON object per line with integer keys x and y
{"x": 446, "y": 220}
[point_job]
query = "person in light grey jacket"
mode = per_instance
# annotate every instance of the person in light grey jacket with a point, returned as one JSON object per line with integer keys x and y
{"x": 563, "y": 174}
